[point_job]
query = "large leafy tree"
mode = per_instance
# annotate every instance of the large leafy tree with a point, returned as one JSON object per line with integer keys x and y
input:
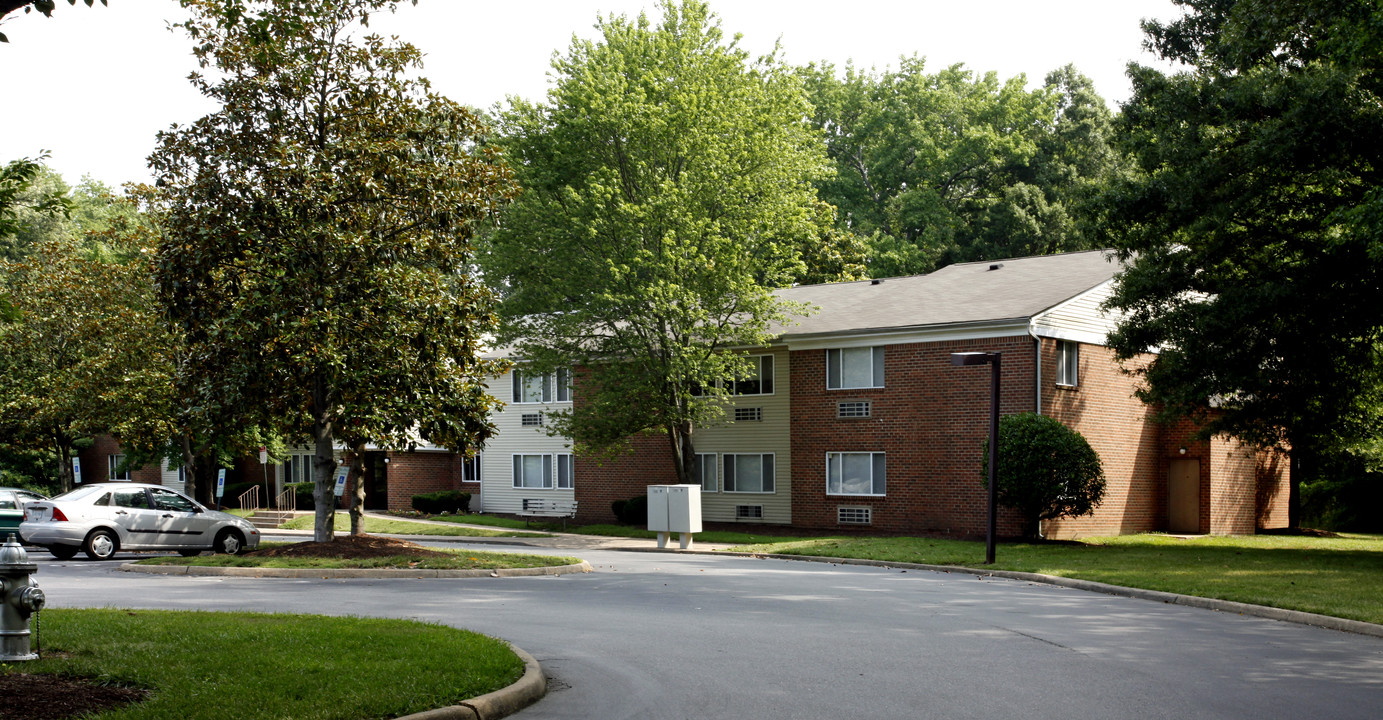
{"x": 1257, "y": 228}
{"x": 317, "y": 235}
{"x": 82, "y": 353}
{"x": 667, "y": 188}
{"x": 952, "y": 166}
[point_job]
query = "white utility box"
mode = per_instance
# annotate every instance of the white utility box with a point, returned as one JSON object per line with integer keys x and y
{"x": 674, "y": 509}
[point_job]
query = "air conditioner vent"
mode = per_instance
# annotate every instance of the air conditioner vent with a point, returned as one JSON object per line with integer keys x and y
{"x": 749, "y": 512}
{"x": 854, "y": 515}
{"x": 854, "y": 409}
{"x": 749, "y": 414}
{"x": 531, "y": 420}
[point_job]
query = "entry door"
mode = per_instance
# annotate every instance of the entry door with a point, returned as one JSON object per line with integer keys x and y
{"x": 1184, "y": 496}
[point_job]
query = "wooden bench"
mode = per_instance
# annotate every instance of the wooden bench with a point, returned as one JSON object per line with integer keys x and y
{"x": 541, "y": 507}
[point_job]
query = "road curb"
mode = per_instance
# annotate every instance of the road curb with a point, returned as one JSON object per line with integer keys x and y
{"x": 503, "y": 702}
{"x": 336, "y": 573}
{"x": 1293, "y": 616}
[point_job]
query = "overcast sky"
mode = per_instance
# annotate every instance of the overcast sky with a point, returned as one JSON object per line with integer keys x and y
{"x": 93, "y": 86}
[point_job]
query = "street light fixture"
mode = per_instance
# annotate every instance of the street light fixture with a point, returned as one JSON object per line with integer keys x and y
{"x": 993, "y": 360}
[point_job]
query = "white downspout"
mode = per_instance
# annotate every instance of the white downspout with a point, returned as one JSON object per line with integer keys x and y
{"x": 1037, "y": 363}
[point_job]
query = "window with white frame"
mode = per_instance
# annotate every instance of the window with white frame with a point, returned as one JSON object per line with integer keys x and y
{"x": 470, "y": 469}
{"x": 563, "y": 380}
{"x": 532, "y": 387}
{"x": 1067, "y": 363}
{"x": 759, "y": 381}
{"x": 848, "y": 368}
{"x": 536, "y": 388}
{"x": 117, "y": 467}
{"x": 297, "y": 468}
{"x": 706, "y": 471}
{"x": 566, "y": 467}
{"x": 746, "y": 473}
{"x": 855, "y": 473}
{"x": 544, "y": 472}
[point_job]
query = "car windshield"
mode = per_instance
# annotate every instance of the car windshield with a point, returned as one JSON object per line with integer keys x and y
{"x": 79, "y": 493}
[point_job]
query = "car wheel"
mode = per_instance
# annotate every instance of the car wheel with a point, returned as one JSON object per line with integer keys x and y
{"x": 229, "y": 542}
{"x": 189, "y": 553}
{"x": 63, "y": 552}
{"x": 101, "y": 545}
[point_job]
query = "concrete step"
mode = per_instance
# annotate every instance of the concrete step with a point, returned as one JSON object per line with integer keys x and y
{"x": 269, "y": 519}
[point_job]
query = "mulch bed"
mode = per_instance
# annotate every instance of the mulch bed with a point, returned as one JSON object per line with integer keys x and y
{"x": 353, "y": 546}
{"x": 53, "y": 697}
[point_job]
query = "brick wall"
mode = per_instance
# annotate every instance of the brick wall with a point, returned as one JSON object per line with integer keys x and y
{"x": 1120, "y": 428}
{"x": 1233, "y": 487}
{"x": 601, "y": 481}
{"x": 423, "y": 472}
{"x": 931, "y": 419}
{"x": 1273, "y": 486}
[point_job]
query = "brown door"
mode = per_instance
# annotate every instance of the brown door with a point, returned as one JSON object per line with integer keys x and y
{"x": 1184, "y": 496}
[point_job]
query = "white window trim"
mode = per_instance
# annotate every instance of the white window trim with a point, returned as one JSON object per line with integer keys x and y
{"x": 876, "y": 349}
{"x": 551, "y": 471}
{"x": 560, "y": 459}
{"x": 112, "y": 462}
{"x": 772, "y": 377}
{"x": 871, "y": 455}
{"x": 286, "y": 465}
{"x": 549, "y": 478}
{"x": 557, "y": 387}
{"x": 774, "y": 491}
{"x": 715, "y": 472}
{"x": 476, "y": 462}
{"x": 1066, "y": 367}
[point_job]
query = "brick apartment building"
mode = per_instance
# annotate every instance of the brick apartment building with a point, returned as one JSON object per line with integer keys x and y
{"x": 857, "y": 419}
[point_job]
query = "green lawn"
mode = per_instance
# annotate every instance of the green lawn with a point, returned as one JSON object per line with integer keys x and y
{"x": 404, "y": 527}
{"x": 460, "y": 560}
{"x": 204, "y": 665}
{"x": 1340, "y": 576}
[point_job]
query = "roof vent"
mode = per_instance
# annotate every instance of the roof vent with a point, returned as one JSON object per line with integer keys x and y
{"x": 876, "y": 282}
{"x": 996, "y": 266}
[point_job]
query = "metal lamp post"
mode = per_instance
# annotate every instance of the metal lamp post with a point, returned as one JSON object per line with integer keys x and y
{"x": 993, "y": 361}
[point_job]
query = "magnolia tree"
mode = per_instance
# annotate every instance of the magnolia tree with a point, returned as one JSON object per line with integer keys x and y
{"x": 317, "y": 231}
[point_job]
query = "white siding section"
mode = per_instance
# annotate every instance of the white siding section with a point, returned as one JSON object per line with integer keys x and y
{"x": 1080, "y": 318}
{"x": 497, "y": 493}
{"x": 770, "y": 435}
{"x": 169, "y": 478}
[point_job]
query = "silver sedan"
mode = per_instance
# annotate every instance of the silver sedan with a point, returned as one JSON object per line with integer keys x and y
{"x": 103, "y": 518}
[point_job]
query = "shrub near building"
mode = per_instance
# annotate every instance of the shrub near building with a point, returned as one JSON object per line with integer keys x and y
{"x": 1046, "y": 470}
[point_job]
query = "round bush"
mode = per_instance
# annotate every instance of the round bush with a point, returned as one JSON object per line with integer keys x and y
{"x": 1046, "y": 470}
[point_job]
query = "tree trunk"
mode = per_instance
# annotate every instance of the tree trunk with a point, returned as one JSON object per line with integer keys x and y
{"x": 189, "y": 468}
{"x": 683, "y": 453}
{"x": 323, "y": 464}
{"x": 65, "y": 478}
{"x": 357, "y": 507}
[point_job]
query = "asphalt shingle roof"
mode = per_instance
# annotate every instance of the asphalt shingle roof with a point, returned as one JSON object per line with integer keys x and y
{"x": 956, "y": 294}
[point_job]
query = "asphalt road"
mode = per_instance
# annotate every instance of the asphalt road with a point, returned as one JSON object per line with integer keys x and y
{"x": 655, "y": 636}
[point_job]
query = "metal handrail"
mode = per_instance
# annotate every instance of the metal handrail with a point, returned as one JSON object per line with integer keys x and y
{"x": 285, "y": 498}
{"x": 249, "y": 500}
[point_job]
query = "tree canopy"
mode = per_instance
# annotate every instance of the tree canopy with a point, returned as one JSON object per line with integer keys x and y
{"x": 1256, "y": 226}
{"x": 83, "y": 354}
{"x": 667, "y": 188}
{"x": 317, "y": 234}
{"x": 44, "y": 6}
{"x": 954, "y": 166}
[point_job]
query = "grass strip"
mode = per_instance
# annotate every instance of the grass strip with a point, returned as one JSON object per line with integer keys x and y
{"x": 457, "y": 560}
{"x": 379, "y": 526}
{"x": 207, "y": 665}
{"x": 1341, "y": 577}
